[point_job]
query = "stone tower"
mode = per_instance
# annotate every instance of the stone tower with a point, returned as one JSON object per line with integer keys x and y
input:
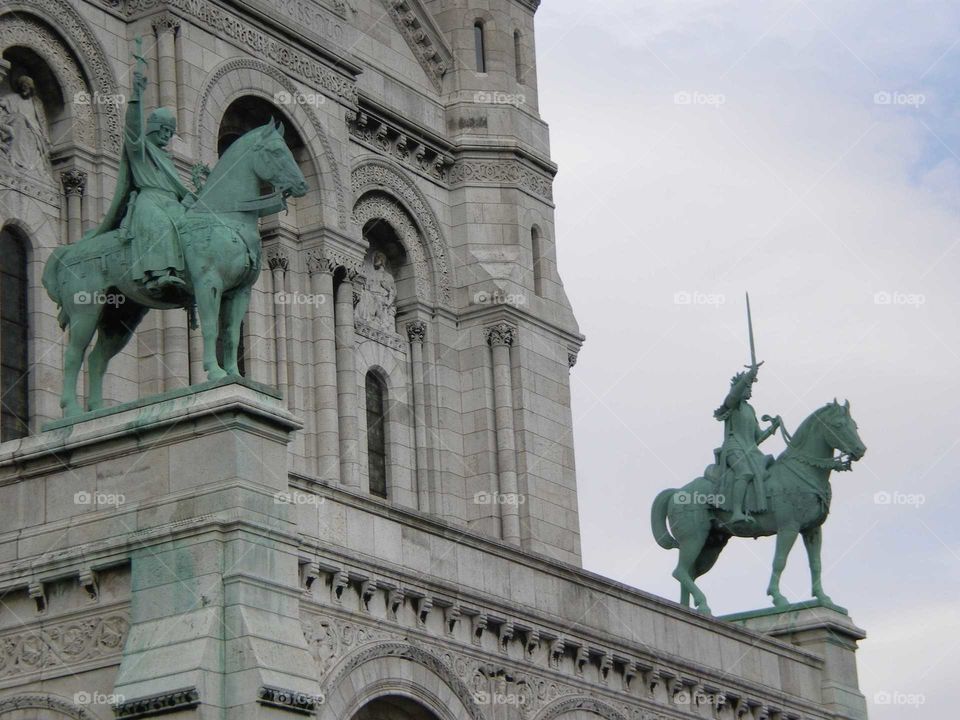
{"x": 381, "y": 519}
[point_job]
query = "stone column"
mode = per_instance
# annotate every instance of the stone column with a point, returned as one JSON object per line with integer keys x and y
{"x": 325, "y": 368}
{"x": 500, "y": 338}
{"x": 166, "y": 27}
{"x": 278, "y": 265}
{"x": 417, "y": 334}
{"x": 347, "y": 382}
{"x": 74, "y": 186}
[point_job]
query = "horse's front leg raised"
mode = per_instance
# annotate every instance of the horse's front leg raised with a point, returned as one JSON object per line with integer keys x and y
{"x": 786, "y": 537}
{"x": 812, "y": 539}
{"x": 208, "y": 292}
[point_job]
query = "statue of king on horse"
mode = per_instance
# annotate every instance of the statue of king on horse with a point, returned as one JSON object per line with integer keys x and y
{"x": 790, "y": 494}
{"x": 162, "y": 246}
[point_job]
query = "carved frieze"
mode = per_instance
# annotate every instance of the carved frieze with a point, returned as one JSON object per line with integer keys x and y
{"x": 471, "y": 171}
{"x": 61, "y": 645}
{"x": 398, "y": 144}
{"x": 173, "y": 701}
{"x": 427, "y": 44}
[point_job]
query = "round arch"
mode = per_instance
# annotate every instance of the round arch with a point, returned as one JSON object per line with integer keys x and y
{"x": 87, "y": 70}
{"x": 247, "y": 76}
{"x": 375, "y": 174}
{"x": 403, "y": 669}
{"x": 579, "y": 707}
{"x": 14, "y": 705}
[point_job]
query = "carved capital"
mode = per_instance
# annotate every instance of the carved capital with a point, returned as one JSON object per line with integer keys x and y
{"x": 417, "y": 331}
{"x": 278, "y": 261}
{"x": 74, "y": 181}
{"x": 165, "y": 23}
{"x": 500, "y": 334}
{"x": 318, "y": 262}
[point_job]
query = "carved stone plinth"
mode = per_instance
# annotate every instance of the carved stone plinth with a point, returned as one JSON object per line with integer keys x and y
{"x": 826, "y": 631}
{"x": 214, "y": 606}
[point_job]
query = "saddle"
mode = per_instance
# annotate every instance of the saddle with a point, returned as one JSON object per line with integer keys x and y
{"x": 722, "y": 479}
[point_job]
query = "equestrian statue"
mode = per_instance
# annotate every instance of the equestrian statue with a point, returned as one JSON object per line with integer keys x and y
{"x": 746, "y": 493}
{"x": 162, "y": 246}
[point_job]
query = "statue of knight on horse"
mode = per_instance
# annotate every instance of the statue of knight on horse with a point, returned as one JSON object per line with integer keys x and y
{"x": 790, "y": 494}
{"x": 162, "y": 246}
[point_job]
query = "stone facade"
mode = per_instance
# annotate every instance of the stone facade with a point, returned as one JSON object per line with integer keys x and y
{"x": 220, "y": 553}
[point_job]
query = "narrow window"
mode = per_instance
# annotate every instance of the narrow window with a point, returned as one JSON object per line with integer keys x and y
{"x": 536, "y": 244}
{"x": 376, "y": 436}
{"x": 14, "y": 418}
{"x": 518, "y": 55}
{"x": 480, "y": 46}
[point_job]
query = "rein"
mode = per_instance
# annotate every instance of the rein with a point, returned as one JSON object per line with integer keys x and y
{"x": 833, "y": 463}
{"x": 274, "y": 202}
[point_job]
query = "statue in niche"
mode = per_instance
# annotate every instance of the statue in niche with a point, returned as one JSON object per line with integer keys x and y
{"x": 378, "y": 295}
{"x": 24, "y": 142}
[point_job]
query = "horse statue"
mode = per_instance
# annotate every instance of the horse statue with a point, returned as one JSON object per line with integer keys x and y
{"x": 92, "y": 283}
{"x": 797, "y": 491}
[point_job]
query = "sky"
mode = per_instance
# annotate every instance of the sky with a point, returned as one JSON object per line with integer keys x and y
{"x": 809, "y": 153}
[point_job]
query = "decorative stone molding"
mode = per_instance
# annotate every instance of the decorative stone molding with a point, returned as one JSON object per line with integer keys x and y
{"x": 451, "y": 617}
{"x": 18, "y": 703}
{"x": 505, "y": 635}
{"x": 338, "y": 583}
{"x": 424, "y": 606}
{"x": 417, "y": 331}
{"x": 500, "y": 334}
{"x": 39, "y": 595}
{"x": 277, "y": 260}
{"x": 318, "y": 262}
{"x": 329, "y": 260}
{"x": 165, "y": 22}
{"x": 368, "y": 588}
{"x": 297, "y": 702}
{"x": 378, "y": 335}
{"x": 27, "y": 186}
{"x": 471, "y": 171}
{"x": 478, "y": 624}
{"x": 88, "y": 581}
{"x": 243, "y": 68}
{"x": 424, "y": 39}
{"x": 395, "y": 598}
{"x": 62, "y": 14}
{"x": 585, "y": 704}
{"x": 388, "y": 139}
{"x": 74, "y": 181}
{"x": 572, "y": 358}
{"x": 379, "y": 175}
{"x": 173, "y": 701}
{"x": 60, "y": 645}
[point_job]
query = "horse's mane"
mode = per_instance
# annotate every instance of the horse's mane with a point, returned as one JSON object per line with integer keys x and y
{"x": 800, "y": 436}
{"x": 229, "y": 159}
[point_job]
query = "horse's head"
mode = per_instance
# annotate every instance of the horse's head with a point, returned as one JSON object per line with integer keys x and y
{"x": 274, "y": 163}
{"x": 840, "y": 431}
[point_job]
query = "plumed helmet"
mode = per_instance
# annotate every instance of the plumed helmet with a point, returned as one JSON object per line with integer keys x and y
{"x": 160, "y": 118}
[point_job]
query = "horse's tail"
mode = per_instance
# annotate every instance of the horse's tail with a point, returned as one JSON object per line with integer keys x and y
{"x": 51, "y": 281}
{"x": 658, "y": 520}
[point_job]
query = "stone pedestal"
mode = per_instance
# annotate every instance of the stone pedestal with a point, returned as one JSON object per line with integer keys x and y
{"x": 826, "y": 631}
{"x": 213, "y": 550}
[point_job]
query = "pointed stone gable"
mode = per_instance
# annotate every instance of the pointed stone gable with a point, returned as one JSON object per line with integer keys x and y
{"x": 423, "y": 36}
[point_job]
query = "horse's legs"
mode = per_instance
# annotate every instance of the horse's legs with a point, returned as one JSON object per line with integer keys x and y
{"x": 83, "y": 323}
{"x": 114, "y": 331}
{"x": 208, "y": 294}
{"x": 811, "y": 540}
{"x": 690, "y": 546}
{"x": 786, "y": 536}
{"x": 684, "y": 596}
{"x": 235, "y": 306}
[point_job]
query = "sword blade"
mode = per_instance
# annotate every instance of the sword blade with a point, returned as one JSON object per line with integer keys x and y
{"x": 753, "y": 349}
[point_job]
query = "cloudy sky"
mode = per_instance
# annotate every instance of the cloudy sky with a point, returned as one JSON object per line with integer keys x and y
{"x": 808, "y": 152}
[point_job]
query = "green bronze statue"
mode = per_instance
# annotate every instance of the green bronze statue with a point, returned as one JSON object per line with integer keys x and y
{"x": 791, "y": 494}
{"x": 162, "y": 246}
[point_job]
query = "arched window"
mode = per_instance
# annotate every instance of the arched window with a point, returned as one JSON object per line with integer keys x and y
{"x": 480, "y": 46}
{"x": 14, "y": 414}
{"x": 376, "y": 435}
{"x": 539, "y": 261}
{"x": 518, "y": 55}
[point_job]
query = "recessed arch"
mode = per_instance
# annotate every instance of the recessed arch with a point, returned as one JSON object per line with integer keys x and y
{"x": 14, "y": 334}
{"x": 250, "y": 77}
{"x": 51, "y": 705}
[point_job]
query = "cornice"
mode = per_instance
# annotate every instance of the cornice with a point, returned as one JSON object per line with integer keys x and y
{"x": 424, "y": 37}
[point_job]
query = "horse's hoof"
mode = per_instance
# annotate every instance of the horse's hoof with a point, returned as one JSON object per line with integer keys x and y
{"x": 823, "y": 598}
{"x": 780, "y": 601}
{"x": 704, "y": 610}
